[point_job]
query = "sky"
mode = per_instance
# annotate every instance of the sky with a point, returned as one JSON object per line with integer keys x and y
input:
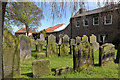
{"x": 48, "y": 21}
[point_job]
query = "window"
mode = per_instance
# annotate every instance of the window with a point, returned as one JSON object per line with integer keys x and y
{"x": 108, "y": 20}
{"x": 95, "y": 20}
{"x": 77, "y": 23}
{"x": 85, "y": 22}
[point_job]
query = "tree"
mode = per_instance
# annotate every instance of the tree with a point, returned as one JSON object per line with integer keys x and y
{"x": 24, "y": 13}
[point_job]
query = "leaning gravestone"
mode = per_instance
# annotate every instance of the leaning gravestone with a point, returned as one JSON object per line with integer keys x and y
{"x": 78, "y": 40}
{"x": 72, "y": 42}
{"x": 41, "y": 68}
{"x": 11, "y": 55}
{"x": 42, "y": 38}
{"x": 52, "y": 49}
{"x": 84, "y": 38}
{"x": 106, "y": 53}
{"x": 64, "y": 48}
{"x": 83, "y": 56}
{"x": 39, "y": 45}
{"x": 25, "y": 47}
{"x": 94, "y": 42}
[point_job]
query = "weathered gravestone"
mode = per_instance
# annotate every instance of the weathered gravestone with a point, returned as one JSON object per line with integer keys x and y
{"x": 42, "y": 38}
{"x": 33, "y": 43}
{"x": 72, "y": 42}
{"x": 118, "y": 54}
{"x": 106, "y": 54}
{"x": 94, "y": 42}
{"x": 83, "y": 57}
{"x": 52, "y": 49}
{"x": 78, "y": 40}
{"x": 41, "y": 68}
{"x": 60, "y": 39}
{"x": 25, "y": 47}
{"x": 63, "y": 70}
{"x": 84, "y": 38}
{"x": 41, "y": 55}
{"x": 11, "y": 55}
{"x": 64, "y": 47}
{"x": 39, "y": 45}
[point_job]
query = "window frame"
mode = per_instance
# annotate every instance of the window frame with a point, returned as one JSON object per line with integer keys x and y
{"x": 84, "y": 22}
{"x": 105, "y": 18}
{"x": 94, "y": 20}
{"x": 77, "y": 22}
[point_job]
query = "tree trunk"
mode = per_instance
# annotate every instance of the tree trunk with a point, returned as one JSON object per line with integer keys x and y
{"x": 2, "y": 13}
{"x": 27, "y": 29}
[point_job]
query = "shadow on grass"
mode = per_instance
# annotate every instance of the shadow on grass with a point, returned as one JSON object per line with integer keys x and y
{"x": 96, "y": 64}
{"x": 53, "y": 70}
{"x": 28, "y": 74}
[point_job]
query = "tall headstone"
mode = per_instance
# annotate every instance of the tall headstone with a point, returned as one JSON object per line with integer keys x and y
{"x": 39, "y": 45}
{"x": 72, "y": 42}
{"x": 60, "y": 39}
{"x": 106, "y": 53}
{"x": 42, "y": 38}
{"x": 78, "y": 40}
{"x": 93, "y": 40}
{"x": 83, "y": 56}
{"x": 52, "y": 49}
{"x": 64, "y": 48}
{"x": 84, "y": 38}
{"x": 25, "y": 47}
{"x": 11, "y": 55}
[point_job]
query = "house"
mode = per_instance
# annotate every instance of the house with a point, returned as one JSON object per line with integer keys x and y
{"x": 23, "y": 31}
{"x": 103, "y": 22}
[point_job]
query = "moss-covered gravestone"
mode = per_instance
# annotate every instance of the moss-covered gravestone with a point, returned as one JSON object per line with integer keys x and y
{"x": 11, "y": 55}
{"x": 94, "y": 42}
{"x": 78, "y": 40}
{"x": 52, "y": 49}
{"x": 84, "y": 38}
{"x": 83, "y": 56}
{"x": 33, "y": 43}
{"x": 25, "y": 47}
{"x": 72, "y": 42}
{"x": 106, "y": 54}
{"x": 41, "y": 68}
{"x": 39, "y": 45}
{"x": 64, "y": 48}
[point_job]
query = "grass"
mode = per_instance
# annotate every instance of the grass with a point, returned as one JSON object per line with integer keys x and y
{"x": 108, "y": 71}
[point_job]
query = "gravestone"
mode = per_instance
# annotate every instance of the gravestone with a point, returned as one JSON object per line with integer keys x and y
{"x": 52, "y": 49}
{"x": 25, "y": 47}
{"x": 83, "y": 57}
{"x": 33, "y": 43}
{"x": 41, "y": 68}
{"x": 41, "y": 55}
{"x": 63, "y": 70}
{"x": 106, "y": 53}
{"x": 64, "y": 47}
{"x": 60, "y": 39}
{"x": 94, "y": 42}
{"x": 84, "y": 38}
{"x": 39, "y": 45}
{"x": 11, "y": 55}
{"x": 42, "y": 38}
{"x": 72, "y": 42}
{"x": 78, "y": 40}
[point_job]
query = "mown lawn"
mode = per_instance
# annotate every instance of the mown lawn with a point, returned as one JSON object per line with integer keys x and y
{"x": 108, "y": 71}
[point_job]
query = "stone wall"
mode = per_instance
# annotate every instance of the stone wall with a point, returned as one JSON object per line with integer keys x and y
{"x": 11, "y": 55}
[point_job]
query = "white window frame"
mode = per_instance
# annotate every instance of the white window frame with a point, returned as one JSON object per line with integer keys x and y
{"x": 84, "y": 22}
{"x": 105, "y": 21}
{"x": 76, "y": 23}
{"x": 94, "y": 20}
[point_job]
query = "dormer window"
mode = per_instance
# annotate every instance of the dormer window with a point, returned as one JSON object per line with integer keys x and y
{"x": 96, "y": 20}
{"x": 77, "y": 23}
{"x": 85, "y": 22}
{"x": 108, "y": 20}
